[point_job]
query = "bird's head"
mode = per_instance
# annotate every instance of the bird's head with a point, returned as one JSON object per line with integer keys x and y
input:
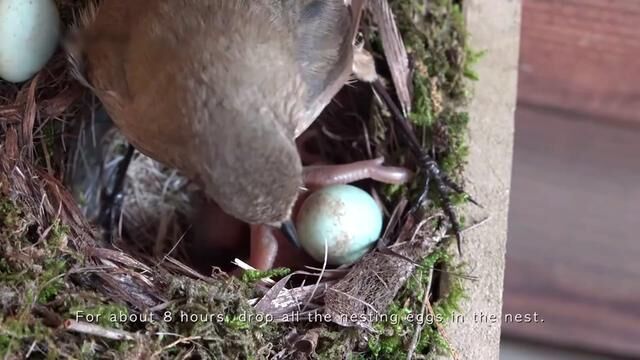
{"x": 252, "y": 170}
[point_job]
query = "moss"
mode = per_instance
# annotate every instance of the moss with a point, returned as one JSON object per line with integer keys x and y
{"x": 10, "y": 216}
{"x": 51, "y": 281}
{"x": 437, "y": 44}
{"x": 337, "y": 343}
{"x": 106, "y": 314}
{"x": 225, "y": 325}
{"x": 59, "y": 233}
{"x": 396, "y": 332}
{"x": 456, "y": 127}
{"x": 237, "y": 322}
{"x": 472, "y": 59}
{"x": 15, "y": 333}
{"x": 253, "y": 276}
{"x": 40, "y": 278}
{"x": 29, "y": 275}
{"x": 219, "y": 314}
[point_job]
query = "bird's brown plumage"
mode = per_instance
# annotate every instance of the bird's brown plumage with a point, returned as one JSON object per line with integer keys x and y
{"x": 220, "y": 89}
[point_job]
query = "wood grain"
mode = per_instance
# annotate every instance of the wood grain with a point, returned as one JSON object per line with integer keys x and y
{"x": 582, "y": 55}
{"x": 574, "y": 246}
{"x": 573, "y": 251}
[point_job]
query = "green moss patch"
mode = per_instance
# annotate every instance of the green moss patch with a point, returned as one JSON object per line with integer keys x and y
{"x": 437, "y": 43}
{"x": 38, "y": 294}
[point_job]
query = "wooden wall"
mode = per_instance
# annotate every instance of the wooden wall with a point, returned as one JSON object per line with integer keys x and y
{"x": 573, "y": 253}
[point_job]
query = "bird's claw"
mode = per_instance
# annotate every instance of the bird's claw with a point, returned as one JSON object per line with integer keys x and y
{"x": 427, "y": 164}
{"x": 444, "y": 186}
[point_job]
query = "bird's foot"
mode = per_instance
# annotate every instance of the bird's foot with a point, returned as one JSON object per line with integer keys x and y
{"x": 364, "y": 70}
{"x": 444, "y": 187}
{"x": 443, "y": 184}
{"x": 111, "y": 201}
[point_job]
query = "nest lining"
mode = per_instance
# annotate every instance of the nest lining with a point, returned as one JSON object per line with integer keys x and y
{"x": 47, "y": 238}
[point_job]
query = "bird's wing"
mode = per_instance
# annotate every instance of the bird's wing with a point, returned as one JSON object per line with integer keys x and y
{"x": 324, "y": 32}
{"x": 105, "y": 32}
{"x": 135, "y": 92}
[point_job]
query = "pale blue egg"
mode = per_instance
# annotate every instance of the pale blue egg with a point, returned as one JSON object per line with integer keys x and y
{"x": 29, "y": 31}
{"x": 346, "y": 217}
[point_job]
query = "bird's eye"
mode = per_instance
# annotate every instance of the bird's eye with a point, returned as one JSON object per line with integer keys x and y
{"x": 359, "y": 40}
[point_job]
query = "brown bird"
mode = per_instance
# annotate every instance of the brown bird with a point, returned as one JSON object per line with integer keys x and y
{"x": 220, "y": 89}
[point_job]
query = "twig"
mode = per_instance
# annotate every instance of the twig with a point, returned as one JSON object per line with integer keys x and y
{"x": 118, "y": 257}
{"x": 244, "y": 266}
{"x": 324, "y": 267}
{"x": 187, "y": 270}
{"x": 162, "y": 306}
{"x": 164, "y": 258}
{"x": 477, "y": 225}
{"x": 420, "y": 326}
{"x": 96, "y": 330}
{"x": 175, "y": 343}
{"x": 454, "y": 353}
{"x": 355, "y": 298}
{"x": 394, "y": 51}
{"x": 31, "y": 349}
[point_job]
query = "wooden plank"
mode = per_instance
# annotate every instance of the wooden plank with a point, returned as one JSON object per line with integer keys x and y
{"x": 494, "y": 25}
{"x": 582, "y": 55}
{"x": 519, "y": 350}
{"x": 573, "y": 247}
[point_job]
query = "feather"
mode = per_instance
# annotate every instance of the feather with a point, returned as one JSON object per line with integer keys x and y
{"x": 325, "y": 34}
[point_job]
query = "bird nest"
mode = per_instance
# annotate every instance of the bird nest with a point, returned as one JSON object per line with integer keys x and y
{"x": 67, "y": 292}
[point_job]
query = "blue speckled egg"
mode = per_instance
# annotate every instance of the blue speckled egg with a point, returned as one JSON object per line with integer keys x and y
{"x": 344, "y": 216}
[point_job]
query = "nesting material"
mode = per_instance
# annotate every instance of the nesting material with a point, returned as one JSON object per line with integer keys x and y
{"x": 140, "y": 274}
{"x": 156, "y": 199}
{"x": 363, "y": 295}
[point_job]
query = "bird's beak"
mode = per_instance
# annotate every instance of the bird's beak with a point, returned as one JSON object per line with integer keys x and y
{"x": 289, "y": 231}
